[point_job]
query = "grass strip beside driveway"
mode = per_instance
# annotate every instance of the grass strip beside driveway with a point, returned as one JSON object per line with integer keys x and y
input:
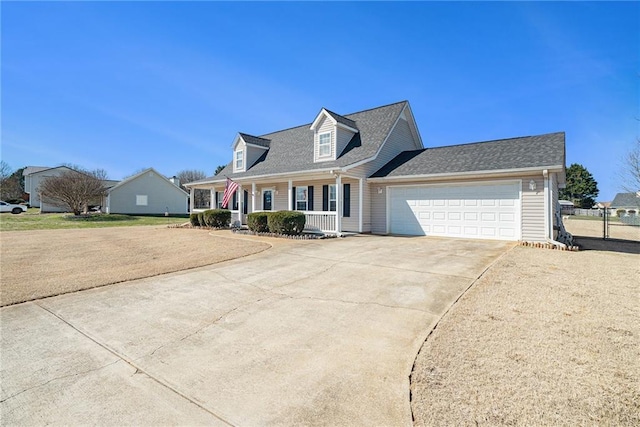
{"x": 37, "y": 264}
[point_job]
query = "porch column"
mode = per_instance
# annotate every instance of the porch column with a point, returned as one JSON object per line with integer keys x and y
{"x": 290, "y": 195}
{"x": 212, "y": 198}
{"x": 339, "y": 203}
{"x": 253, "y": 197}
{"x": 192, "y": 192}
{"x": 360, "y": 203}
{"x": 240, "y": 196}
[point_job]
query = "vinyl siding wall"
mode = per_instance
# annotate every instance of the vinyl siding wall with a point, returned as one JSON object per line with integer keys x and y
{"x": 161, "y": 195}
{"x": 399, "y": 140}
{"x": 325, "y": 126}
{"x": 532, "y": 211}
{"x": 343, "y": 137}
{"x": 252, "y": 156}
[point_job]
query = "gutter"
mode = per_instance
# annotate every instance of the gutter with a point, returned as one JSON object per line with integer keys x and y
{"x": 469, "y": 174}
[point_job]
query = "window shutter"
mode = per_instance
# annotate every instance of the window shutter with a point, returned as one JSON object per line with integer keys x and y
{"x": 245, "y": 202}
{"x": 346, "y": 208}
{"x": 310, "y": 198}
{"x": 234, "y": 201}
{"x": 293, "y": 199}
{"x": 325, "y": 197}
{"x": 215, "y": 200}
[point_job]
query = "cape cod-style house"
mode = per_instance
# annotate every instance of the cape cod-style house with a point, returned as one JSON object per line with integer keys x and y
{"x": 369, "y": 172}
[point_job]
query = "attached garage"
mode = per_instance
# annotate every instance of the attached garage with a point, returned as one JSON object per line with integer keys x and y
{"x": 489, "y": 210}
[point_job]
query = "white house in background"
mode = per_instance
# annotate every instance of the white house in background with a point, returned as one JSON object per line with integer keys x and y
{"x": 147, "y": 193}
{"x": 35, "y": 175}
{"x": 628, "y": 202}
{"x": 369, "y": 172}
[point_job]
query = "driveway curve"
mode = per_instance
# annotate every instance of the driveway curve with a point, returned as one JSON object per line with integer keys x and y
{"x": 312, "y": 332}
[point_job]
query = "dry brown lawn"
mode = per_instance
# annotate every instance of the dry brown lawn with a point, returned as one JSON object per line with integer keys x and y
{"x": 36, "y": 264}
{"x": 544, "y": 337}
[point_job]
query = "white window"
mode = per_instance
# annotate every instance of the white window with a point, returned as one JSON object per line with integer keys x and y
{"x": 239, "y": 160}
{"x": 332, "y": 197}
{"x": 324, "y": 144}
{"x": 141, "y": 200}
{"x": 301, "y": 198}
{"x": 219, "y": 197}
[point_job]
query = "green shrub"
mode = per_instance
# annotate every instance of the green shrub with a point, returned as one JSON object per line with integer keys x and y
{"x": 286, "y": 222}
{"x": 201, "y": 219}
{"x": 193, "y": 219}
{"x": 258, "y": 222}
{"x": 217, "y": 218}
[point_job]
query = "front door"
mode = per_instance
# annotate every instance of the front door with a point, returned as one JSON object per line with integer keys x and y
{"x": 267, "y": 200}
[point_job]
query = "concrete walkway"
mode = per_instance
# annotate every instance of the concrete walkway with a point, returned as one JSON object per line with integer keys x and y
{"x": 313, "y": 332}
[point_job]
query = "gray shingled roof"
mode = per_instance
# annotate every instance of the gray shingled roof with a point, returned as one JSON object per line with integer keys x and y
{"x": 342, "y": 119}
{"x": 255, "y": 140}
{"x": 626, "y": 200}
{"x": 291, "y": 150}
{"x": 515, "y": 153}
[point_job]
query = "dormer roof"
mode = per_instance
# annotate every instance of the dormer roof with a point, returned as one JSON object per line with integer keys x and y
{"x": 254, "y": 140}
{"x": 337, "y": 120}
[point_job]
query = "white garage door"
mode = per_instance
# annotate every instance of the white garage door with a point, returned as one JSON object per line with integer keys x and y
{"x": 488, "y": 211}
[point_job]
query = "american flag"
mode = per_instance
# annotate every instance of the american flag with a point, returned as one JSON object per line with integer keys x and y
{"x": 229, "y": 189}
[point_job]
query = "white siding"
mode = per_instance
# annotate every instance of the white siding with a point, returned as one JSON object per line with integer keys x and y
{"x": 378, "y": 208}
{"x": 533, "y": 210}
{"x": 325, "y": 126}
{"x": 366, "y": 208}
{"x": 252, "y": 155}
{"x": 401, "y": 139}
{"x": 343, "y": 137}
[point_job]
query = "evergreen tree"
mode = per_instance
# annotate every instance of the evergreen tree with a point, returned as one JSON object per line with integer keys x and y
{"x": 581, "y": 188}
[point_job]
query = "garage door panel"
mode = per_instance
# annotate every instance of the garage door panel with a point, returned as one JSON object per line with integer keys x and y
{"x": 476, "y": 211}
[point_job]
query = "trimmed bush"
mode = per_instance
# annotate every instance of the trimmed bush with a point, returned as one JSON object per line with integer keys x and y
{"x": 217, "y": 218}
{"x": 258, "y": 222}
{"x": 201, "y": 219}
{"x": 286, "y": 222}
{"x": 193, "y": 219}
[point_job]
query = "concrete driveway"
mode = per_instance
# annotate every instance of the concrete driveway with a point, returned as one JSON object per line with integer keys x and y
{"x": 312, "y": 332}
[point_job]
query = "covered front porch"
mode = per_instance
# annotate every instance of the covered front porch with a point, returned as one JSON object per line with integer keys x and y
{"x": 331, "y": 203}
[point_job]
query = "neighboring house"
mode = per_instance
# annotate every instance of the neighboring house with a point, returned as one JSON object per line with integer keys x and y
{"x": 35, "y": 175}
{"x": 370, "y": 172}
{"x": 147, "y": 192}
{"x": 629, "y": 202}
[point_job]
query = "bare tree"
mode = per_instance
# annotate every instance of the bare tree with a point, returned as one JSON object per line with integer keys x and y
{"x": 201, "y": 197}
{"x": 74, "y": 189}
{"x": 630, "y": 175}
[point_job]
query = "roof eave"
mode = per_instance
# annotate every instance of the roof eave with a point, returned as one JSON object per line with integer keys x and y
{"x": 468, "y": 174}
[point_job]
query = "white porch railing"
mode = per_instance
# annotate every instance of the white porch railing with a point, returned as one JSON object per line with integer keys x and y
{"x": 314, "y": 220}
{"x": 320, "y": 221}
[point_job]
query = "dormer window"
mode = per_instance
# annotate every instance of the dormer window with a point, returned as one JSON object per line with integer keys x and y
{"x": 331, "y": 135}
{"x": 239, "y": 160}
{"x": 324, "y": 144}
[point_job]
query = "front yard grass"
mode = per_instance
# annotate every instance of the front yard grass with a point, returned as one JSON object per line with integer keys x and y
{"x": 34, "y": 220}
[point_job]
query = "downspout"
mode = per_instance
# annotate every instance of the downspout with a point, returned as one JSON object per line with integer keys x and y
{"x": 548, "y": 218}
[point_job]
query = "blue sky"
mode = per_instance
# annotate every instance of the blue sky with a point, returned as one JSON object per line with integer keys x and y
{"x": 128, "y": 85}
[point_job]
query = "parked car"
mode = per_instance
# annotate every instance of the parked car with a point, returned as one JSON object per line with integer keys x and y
{"x": 9, "y": 207}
